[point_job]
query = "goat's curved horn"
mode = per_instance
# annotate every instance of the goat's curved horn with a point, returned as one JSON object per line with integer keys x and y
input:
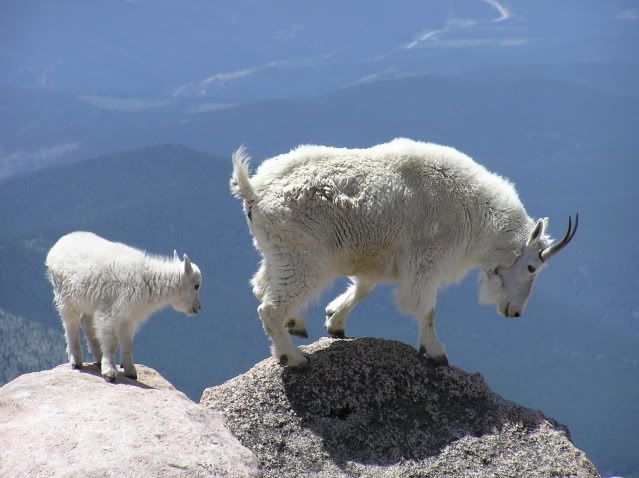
{"x": 554, "y": 248}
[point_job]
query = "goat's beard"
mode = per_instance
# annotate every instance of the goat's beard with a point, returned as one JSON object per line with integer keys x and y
{"x": 491, "y": 291}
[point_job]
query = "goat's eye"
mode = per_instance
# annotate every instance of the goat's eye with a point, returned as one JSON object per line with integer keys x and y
{"x": 531, "y": 269}
{"x": 197, "y": 286}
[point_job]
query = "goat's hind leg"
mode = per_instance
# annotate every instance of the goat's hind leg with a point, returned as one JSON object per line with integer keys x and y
{"x": 297, "y": 327}
{"x": 292, "y": 280}
{"x": 105, "y": 329}
{"x": 283, "y": 349}
{"x": 338, "y": 309}
{"x": 71, "y": 323}
{"x": 86, "y": 321}
{"x": 295, "y": 324}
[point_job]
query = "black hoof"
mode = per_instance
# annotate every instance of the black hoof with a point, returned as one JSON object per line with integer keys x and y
{"x": 337, "y": 334}
{"x": 302, "y": 334}
{"x": 434, "y": 362}
{"x": 132, "y": 376}
{"x": 300, "y": 367}
{"x": 76, "y": 366}
{"x": 438, "y": 362}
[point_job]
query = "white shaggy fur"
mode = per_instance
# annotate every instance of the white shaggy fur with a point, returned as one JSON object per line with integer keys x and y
{"x": 108, "y": 288}
{"x": 414, "y": 213}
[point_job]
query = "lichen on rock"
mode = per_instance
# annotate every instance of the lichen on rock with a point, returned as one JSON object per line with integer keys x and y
{"x": 371, "y": 407}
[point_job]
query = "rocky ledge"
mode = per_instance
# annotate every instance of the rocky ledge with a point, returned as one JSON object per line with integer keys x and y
{"x": 71, "y": 423}
{"x": 369, "y": 407}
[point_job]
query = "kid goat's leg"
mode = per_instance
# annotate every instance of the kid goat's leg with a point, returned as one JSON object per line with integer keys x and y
{"x": 126, "y": 331}
{"x": 105, "y": 328}
{"x": 86, "y": 320}
{"x": 71, "y": 322}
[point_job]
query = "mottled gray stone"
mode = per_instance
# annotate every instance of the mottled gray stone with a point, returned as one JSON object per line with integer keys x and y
{"x": 72, "y": 423}
{"x": 370, "y": 407}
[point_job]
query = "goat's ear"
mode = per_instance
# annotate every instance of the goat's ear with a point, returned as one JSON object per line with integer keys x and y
{"x": 175, "y": 255}
{"x": 538, "y": 231}
{"x": 187, "y": 265}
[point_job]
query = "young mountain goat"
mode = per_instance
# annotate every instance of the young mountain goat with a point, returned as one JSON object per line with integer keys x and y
{"x": 108, "y": 288}
{"x": 414, "y": 213}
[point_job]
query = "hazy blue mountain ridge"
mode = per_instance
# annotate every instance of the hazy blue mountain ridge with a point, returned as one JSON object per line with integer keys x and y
{"x": 497, "y": 117}
{"x": 207, "y": 48}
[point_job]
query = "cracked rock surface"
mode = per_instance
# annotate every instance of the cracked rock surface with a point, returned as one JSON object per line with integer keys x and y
{"x": 371, "y": 407}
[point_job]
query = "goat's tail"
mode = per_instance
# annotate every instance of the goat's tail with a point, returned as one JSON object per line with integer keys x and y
{"x": 241, "y": 186}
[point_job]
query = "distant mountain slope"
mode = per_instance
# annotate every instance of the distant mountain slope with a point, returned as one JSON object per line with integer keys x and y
{"x": 27, "y": 346}
{"x": 501, "y": 115}
{"x": 501, "y": 120}
{"x": 563, "y": 356}
{"x": 266, "y": 47}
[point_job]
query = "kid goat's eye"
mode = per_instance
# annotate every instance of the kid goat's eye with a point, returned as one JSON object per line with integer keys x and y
{"x": 531, "y": 269}
{"x": 197, "y": 286}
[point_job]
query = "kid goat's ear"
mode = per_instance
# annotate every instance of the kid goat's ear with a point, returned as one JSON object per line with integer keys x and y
{"x": 538, "y": 231}
{"x": 187, "y": 265}
{"x": 175, "y": 256}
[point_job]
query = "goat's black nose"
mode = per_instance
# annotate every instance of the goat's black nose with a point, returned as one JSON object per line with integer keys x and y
{"x": 517, "y": 314}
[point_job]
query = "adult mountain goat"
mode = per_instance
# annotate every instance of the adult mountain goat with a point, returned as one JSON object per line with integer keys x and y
{"x": 108, "y": 288}
{"x": 418, "y": 214}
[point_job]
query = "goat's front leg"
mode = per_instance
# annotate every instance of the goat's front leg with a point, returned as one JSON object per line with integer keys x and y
{"x": 429, "y": 343}
{"x": 417, "y": 295}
